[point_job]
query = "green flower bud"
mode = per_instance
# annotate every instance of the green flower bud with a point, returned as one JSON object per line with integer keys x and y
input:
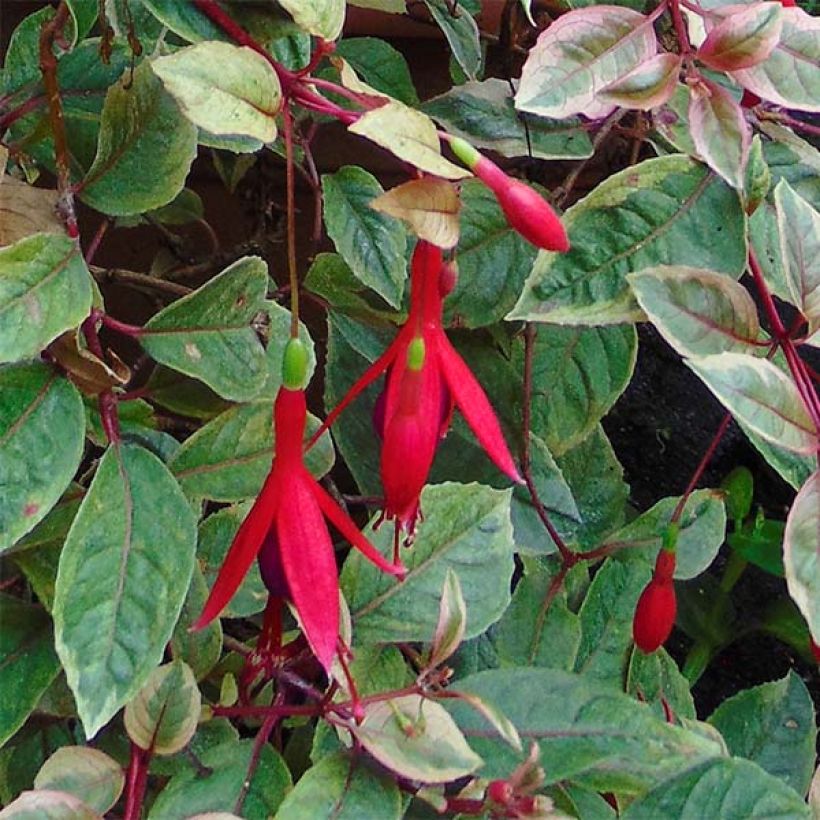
{"x": 295, "y": 365}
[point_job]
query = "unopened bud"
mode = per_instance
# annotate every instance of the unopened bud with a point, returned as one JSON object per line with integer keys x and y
{"x": 295, "y": 365}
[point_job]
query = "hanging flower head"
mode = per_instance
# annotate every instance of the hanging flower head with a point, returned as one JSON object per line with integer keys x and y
{"x": 657, "y": 606}
{"x": 426, "y": 379}
{"x": 286, "y": 529}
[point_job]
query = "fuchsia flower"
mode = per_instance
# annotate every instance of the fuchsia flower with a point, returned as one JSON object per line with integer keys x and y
{"x": 286, "y": 530}
{"x": 657, "y": 606}
{"x": 525, "y": 209}
{"x": 425, "y": 379}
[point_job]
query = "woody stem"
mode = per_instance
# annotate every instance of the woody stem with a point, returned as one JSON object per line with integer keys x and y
{"x": 291, "y": 211}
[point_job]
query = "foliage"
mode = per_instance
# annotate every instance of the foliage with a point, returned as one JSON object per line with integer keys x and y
{"x": 181, "y": 632}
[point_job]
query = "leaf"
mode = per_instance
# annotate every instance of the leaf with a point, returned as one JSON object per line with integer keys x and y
{"x": 380, "y": 66}
{"x": 461, "y": 32}
{"x": 223, "y": 88}
{"x": 429, "y": 206}
{"x": 321, "y": 18}
{"x": 372, "y": 244}
{"x": 734, "y": 787}
{"x": 670, "y": 210}
{"x": 45, "y": 289}
{"x": 123, "y": 574}
{"x": 466, "y": 527}
{"x": 48, "y": 805}
{"x": 702, "y": 531}
{"x": 416, "y": 738}
{"x": 721, "y": 135}
{"x": 760, "y": 543}
{"x": 409, "y": 135}
{"x": 791, "y": 73}
{"x": 25, "y": 210}
{"x": 581, "y": 53}
{"x": 341, "y": 787}
{"x": 656, "y": 679}
{"x": 606, "y": 621}
{"x": 42, "y": 435}
{"x": 191, "y": 792}
{"x": 801, "y": 552}
{"x": 452, "y": 621}
{"x": 141, "y": 128}
{"x": 772, "y": 725}
{"x": 744, "y": 38}
{"x": 207, "y": 334}
{"x": 647, "y": 86}
{"x": 28, "y": 663}
{"x": 484, "y": 113}
{"x": 586, "y": 732}
{"x": 799, "y": 227}
{"x": 228, "y": 458}
{"x": 698, "y": 312}
{"x": 761, "y": 396}
{"x": 493, "y": 260}
{"x": 89, "y": 774}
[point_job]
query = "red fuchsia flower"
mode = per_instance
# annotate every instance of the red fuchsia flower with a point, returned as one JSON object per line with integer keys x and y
{"x": 525, "y": 209}
{"x": 426, "y": 378}
{"x": 286, "y": 529}
{"x": 657, "y": 606}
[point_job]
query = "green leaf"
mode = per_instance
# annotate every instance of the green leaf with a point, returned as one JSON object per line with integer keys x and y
{"x": 191, "y": 792}
{"x": 372, "y": 243}
{"x": 536, "y": 630}
{"x": 48, "y": 805}
{"x": 164, "y": 714}
{"x": 207, "y": 334}
{"x": 321, "y": 18}
{"x": 484, "y": 114}
{"x": 760, "y": 543}
{"x": 586, "y": 732}
{"x": 801, "y": 552}
{"x": 145, "y": 148}
{"x": 466, "y": 527}
{"x": 761, "y": 396}
{"x": 416, "y": 738}
{"x": 341, "y": 787}
{"x": 702, "y": 531}
{"x": 45, "y": 289}
{"x": 379, "y": 65}
{"x": 697, "y": 311}
{"x": 42, "y": 433}
{"x": 799, "y": 227}
{"x": 225, "y": 89}
{"x": 772, "y": 725}
{"x": 656, "y": 679}
{"x": 790, "y": 75}
{"x": 606, "y": 621}
{"x": 670, "y": 210}
{"x": 89, "y": 774}
{"x": 649, "y": 85}
{"x": 733, "y": 788}
{"x": 452, "y": 620}
{"x": 583, "y": 51}
{"x": 409, "y": 135}
{"x": 28, "y": 663}
{"x": 493, "y": 261}
{"x": 461, "y": 32}
{"x": 228, "y": 458}
{"x": 124, "y": 571}
{"x": 21, "y": 63}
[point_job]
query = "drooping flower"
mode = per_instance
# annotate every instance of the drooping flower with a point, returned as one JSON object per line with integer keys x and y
{"x": 657, "y": 606}
{"x": 426, "y": 379}
{"x": 286, "y": 530}
{"x": 526, "y": 210}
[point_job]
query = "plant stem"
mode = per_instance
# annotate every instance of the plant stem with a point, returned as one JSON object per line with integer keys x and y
{"x": 293, "y": 276}
{"x": 125, "y": 329}
{"x": 680, "y": 27}
{"x": 137, "y": 779}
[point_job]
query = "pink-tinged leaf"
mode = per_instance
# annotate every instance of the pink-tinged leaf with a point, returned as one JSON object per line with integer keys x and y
{"x": 801, "y": 551}
{"x": 244, "y": 549}
{"x": 474, "y": 405}
{"x": 719, "y": 130}
{"x": 580, "y": 54}
{"x": 452, "y": 621}
{"x": 791, "y": 74}
{"x": 348, "y": 529}
{"x": 745, "y": 36}
{"x": 310, "y": 565}
{"x": 649, "y": 85}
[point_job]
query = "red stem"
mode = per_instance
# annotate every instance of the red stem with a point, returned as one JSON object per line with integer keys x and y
{"x": 133, "y": 331}
{"x": 136, "y": 782}
{"x": 18, "y": 113}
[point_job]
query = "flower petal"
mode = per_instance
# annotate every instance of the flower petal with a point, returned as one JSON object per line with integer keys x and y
{"x": 348, "y": 529}
{"x": 310, "y": 567}
{"x": 246, "y": 545}
{"x": 471, "y": 399}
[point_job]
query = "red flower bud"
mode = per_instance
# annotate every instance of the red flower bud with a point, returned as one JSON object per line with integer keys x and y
{"x": 654, "y": 615}
{"x": 500, "y": 791}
